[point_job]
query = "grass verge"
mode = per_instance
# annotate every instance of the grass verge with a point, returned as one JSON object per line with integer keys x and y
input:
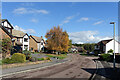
{"x": 61, "y": 56}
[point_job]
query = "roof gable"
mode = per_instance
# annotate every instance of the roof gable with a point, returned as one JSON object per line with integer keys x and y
{"x": 104, "y": 41}
{"x": 37, "y": 39}
{"x": 5, "y": 20}
{"x": 6, "y": 31}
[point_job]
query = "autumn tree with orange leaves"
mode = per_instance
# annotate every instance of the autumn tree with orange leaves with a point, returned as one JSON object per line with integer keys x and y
{"x": 57, "y": 40}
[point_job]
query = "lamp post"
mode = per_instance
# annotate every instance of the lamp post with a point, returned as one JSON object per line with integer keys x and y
{"x": 113, "y": 45}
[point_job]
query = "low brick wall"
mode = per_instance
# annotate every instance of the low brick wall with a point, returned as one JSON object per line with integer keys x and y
{"x": 22, "y": 64}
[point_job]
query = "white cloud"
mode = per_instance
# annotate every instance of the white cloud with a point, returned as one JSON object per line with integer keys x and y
{"x": 83, "y": 19}
{"x": 67, "y": 20}
{"x": 30, "y": 31}
{"x": 70, "y": 17}
{"x": 86, "y": 37}
{"x": 34, "y": 20}
{"x": 99, "y": 22}
{"x": 29, "y": 10}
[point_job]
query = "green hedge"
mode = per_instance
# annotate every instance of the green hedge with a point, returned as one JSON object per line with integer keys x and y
{"x": 105, "y": 57}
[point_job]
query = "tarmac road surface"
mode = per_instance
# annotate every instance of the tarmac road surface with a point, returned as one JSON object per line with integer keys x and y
{"x": 78, "y": 67}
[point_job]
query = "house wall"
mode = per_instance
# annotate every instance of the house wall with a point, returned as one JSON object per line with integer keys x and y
{"x": 25, "y": 43}
{"x": 21, "y": 40}
{"x": 41, "y": 44}
{"x": 33, "y": 44}
{"x": 110, "y": 46}
{"x": 7, "y": 25}
{"x": 3, "y": 34}
{"x": 38, "y": 46}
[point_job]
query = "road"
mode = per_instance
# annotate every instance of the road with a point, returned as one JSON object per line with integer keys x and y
{"x": 78, "y": 67}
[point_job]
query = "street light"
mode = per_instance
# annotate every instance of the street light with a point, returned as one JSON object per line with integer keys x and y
{"x": 114, "y": 44}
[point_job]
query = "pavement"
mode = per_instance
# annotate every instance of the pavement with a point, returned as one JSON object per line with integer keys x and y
{"x": 25, "y": 68}
{"x": 105, "y": 71}
{"x": 78, "y": 67}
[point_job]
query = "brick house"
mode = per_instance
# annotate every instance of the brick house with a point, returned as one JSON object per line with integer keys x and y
{"x": 36, "y": 43}
{"x": 6, "y": 32}
{"x": 6, "y": 29}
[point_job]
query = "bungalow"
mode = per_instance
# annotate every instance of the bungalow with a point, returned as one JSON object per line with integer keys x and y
{"x": 36, "y": 43}
{"x": 74, "y": 49}
{"x": 21, "y": 39}
{"x": 105, "y": 45}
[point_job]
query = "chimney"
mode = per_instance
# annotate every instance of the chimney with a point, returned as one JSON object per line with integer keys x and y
{"x": 41, "y": 37}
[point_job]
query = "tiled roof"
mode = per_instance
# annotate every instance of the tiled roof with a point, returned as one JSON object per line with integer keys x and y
{"x": 104, "y": 41}
{"x": 17, "y": 33}
{"x": 38, "y": 39}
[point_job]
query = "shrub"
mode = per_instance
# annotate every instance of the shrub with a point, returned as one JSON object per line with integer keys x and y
{"x": 47, "y": 58}
{"x": 40, "y": 59}
{"x": 7, "y": 61}
{"x": 105, "y": 57}
{"x": 110, "y": 51}
{"x": 33, "y": 59}
{"x": 18, "y": 57}
{"x": 27, "y": 54}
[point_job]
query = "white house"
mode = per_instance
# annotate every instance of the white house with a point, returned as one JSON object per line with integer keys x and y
{"x": 105, "y": 45}
{"x": 21, "y": 39}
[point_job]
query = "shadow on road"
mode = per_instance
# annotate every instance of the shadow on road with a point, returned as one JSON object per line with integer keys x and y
{"x": 108, "y": 74}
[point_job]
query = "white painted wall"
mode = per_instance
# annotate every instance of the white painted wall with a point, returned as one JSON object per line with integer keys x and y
{"x": 110, "y": 44}
{"x": 41, "y": 46}
{"x": 26, "y": 43}
{"x": 6, "y": 24}
{"x": 38, "y": 45}
{"x": 21, "y": 39}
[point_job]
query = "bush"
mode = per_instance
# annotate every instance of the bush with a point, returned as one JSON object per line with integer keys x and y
{"x": 105, "y": 57}
{"x": 47, "y": 58}
{"x": 40, "y": 59}
{"x": 110, "y": 51}
{"x": 18, "y": 57}
{"x": 27, "y": 54}
{"x": 7, "y": 61}
{"x": 33, "y": 59}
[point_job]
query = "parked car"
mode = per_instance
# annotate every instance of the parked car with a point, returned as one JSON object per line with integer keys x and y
{"x": 91, "y": 53}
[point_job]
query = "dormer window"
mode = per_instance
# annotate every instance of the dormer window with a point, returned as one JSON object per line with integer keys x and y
{"x": 25, "y": 39}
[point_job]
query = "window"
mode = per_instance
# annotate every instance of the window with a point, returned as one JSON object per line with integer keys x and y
{"x": 31, "y": 49}
{"x": 18, "y": 39}
{"x": 25, "y": 46}
{"x": 25, "y": 39}
{"x": 41, "y": 43}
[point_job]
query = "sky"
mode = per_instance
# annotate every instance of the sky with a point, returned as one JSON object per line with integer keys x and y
{"x": 85, "y": 22}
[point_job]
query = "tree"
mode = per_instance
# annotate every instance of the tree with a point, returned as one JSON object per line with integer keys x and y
{"x": 70, "y": 43}
{"x": 6, "y": 47}
{"x": 87, "y": 46}
{"x": 57, "y": 40}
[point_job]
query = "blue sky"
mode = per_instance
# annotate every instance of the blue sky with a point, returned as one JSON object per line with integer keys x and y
{"x": 84, "y": 21}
